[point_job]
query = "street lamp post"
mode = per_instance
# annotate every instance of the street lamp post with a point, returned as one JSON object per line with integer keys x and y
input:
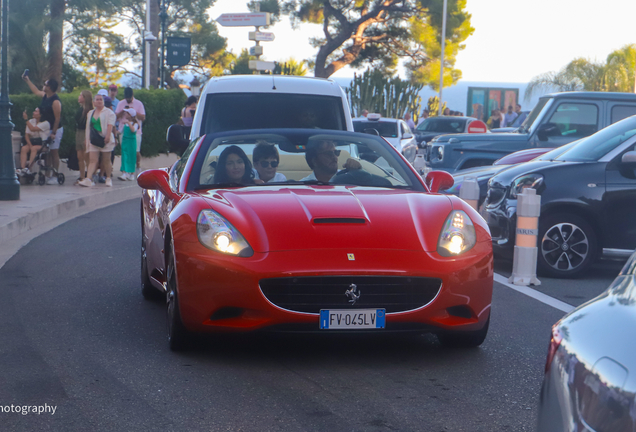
{"x": 195, "y": 87}
{"x": 164, "y": 16}
{"x": 9, "y": 184}
{"x": 441, "y": 63}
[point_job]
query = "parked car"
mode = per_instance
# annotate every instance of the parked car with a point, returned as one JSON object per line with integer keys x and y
{"x": 588, "y": 201}
{"x": 442, "y": 125}
{"x": 365, "y": 251}
{"x": 515, "y": 124}
{"x": 258, "y": 101}
{"x": 485, "y": 173}
{"x": 557, "y": 119}
{"x": 589, "y": 382}
{"x": 395, "y": 131}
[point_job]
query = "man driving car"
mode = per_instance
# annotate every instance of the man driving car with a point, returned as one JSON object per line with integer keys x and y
{"x": 322, "y": 158}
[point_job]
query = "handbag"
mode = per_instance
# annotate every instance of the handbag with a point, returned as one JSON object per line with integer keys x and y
{"x": 96, "y": 138}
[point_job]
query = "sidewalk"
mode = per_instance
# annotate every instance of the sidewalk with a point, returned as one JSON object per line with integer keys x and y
{"x": 41, "y": 208}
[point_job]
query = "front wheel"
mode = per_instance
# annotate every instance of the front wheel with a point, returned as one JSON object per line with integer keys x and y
{"x": 178, "y": 336}
{"x": 464, "y": 339}
{"x": 567, "y": 246}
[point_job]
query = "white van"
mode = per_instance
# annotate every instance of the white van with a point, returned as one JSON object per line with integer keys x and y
{"x": 270, "y": 101}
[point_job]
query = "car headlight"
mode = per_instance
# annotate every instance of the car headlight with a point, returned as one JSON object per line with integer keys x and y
{"x": 216, "y": 233}
{"x": 526, "y": 181}
{"x": 438, "y": 152}
{"x": 458, "y": 235}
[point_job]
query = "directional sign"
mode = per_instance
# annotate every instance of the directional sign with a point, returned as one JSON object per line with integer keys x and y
{"x": 256, "y": 50}
{"x": 261, "y": 36}
{"x": 262, "y": 65}
{"x": 178, "y": 51}
{"x": 244, "y": 19}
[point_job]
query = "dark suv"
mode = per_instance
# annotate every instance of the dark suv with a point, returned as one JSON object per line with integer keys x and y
{"x": 557, "y": 119}
{"x": 588, "y": 202}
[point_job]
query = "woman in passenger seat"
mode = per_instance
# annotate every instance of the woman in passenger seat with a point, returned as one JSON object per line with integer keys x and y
{"x": 234, "y": 167}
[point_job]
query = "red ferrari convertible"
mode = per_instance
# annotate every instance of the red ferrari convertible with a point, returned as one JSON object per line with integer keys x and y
{"x": 312, "y": 231}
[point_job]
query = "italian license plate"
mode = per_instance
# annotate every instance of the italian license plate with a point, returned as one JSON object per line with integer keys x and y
{"x": 352, "y": 319}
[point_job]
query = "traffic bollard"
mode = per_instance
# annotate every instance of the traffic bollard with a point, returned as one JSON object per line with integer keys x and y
{"x": 419, "y": 163}
{"x": 524, "y": 264}
{"x": 469, "y": 192}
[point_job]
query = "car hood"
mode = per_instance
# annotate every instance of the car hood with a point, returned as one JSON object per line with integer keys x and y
{"x": 332, "y": 217}
{"x": 482, "y": 174}
{"x": 477, "y": 138}
{"x": 505, "y": 177}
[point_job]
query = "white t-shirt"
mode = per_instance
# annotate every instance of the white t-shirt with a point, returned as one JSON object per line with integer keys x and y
{"x": 279, "y": 177}
{"x": 45, "y": 129}
{"x": 310, "y": 177}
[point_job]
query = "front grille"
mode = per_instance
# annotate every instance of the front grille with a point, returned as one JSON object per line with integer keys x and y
{"x": 495, "y": 196}
{"x": 311, "y": 294}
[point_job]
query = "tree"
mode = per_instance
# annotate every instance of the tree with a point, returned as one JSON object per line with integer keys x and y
{"x": 27, "y": 36}
{"x": 616, "y": 74}
{"x": 291, "y": 66}
{"x": 379, "y": 33}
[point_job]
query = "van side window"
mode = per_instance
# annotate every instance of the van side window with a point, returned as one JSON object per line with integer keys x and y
{"x": 620, "y": 112}
{"x": 575, "y": 120}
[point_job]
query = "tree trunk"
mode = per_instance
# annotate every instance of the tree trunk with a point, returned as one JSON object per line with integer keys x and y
{"x": 153, "y": 51}
{"x": 56, "y": 36}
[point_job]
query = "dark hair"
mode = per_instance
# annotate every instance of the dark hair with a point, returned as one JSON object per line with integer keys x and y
{"x": 312, "y": 151}
{"x": 191, "y": 100}
{"x": 128, "y": 93}
{"x": 220, "y": 174}
{"x": 52, "y": 83}
{"x": 518, "y": 106}
{"x": 264, "y": 151}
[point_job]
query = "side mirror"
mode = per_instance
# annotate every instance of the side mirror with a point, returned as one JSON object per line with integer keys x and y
{"x": 407, "y": 136}
{"x": 157, "y": 179}
{"x": 629, "y": 158}
{"x": 547, "y": 130}
{"x": 439, "y": 180}
{"x": 178, "y": 138}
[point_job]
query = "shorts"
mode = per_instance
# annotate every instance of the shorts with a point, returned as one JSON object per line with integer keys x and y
{"x": 55, "y": 145}
{"x": 138, "y": 142}
{"x": 80, "y": 139}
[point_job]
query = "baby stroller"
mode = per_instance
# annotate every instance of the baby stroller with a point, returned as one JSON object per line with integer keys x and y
{"x": 40, "y": 166}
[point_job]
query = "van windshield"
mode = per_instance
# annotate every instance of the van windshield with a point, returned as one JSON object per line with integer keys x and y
{"x": 237, "y": 111}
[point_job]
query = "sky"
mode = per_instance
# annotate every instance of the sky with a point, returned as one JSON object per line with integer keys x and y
{"x": 514, "y": 40}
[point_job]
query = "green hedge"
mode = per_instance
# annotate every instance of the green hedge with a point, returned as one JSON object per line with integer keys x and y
{"x": 163, "y": 108}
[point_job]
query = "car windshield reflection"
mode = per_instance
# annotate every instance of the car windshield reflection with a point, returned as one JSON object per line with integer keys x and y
{"x": 318, "y": 158}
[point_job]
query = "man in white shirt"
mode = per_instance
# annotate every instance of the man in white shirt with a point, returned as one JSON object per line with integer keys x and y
{"x": 322, "y": 157}
{"x": 409, "y": 121}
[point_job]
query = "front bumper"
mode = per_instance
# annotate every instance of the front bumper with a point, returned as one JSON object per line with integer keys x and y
{"x": 218, "y": 293}
{"x": 502, "y": 221}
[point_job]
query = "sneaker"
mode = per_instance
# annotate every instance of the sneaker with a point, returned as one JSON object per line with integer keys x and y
{"x": 109, "y": 182}
{"x": 52, "y": 181}
{"x": 102, "y": 180}
{"x": 123, "y": 177}
{"x": 131, "y": 177}
{"x": 86, "y": 183}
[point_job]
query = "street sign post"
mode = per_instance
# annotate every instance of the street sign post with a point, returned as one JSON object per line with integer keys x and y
{"x": 244, "y": 19}
{"x": 262, "y": 65}
{"x": 178, "y": 51}
{"x": 261, "y": 36}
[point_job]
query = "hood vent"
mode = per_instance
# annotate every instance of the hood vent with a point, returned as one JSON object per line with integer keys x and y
{"x": 339, "y": 221}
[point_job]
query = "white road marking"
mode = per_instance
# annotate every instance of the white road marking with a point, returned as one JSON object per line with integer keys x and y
{"x": 537, "y": 295}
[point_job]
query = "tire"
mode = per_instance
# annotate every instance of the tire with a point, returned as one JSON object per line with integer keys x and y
{"x": 147, "y": 289}
{"x": 567, "y": 246}
{"x": 464, "y": 339}
{"x": 60, "y": 178}
{"x": 179, "y": 338}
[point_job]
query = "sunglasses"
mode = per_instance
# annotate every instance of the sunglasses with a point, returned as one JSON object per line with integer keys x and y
{"x": 265, "y": 164}
{"x": 331, "y": 152}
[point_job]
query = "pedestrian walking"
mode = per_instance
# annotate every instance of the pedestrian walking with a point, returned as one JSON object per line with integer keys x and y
{"x": 409, "y": 121}
{"x": 36, "y": 132}
{"x": 130, "y": 102}
{"x": 128, "y": 128}
{"x": 102, "y": 121}
{"x": 85, "y": 100}
{"x": 51, "y": 111}
{"x": 187, "y": 113}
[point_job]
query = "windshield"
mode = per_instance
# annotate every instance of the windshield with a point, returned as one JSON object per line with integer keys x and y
{"x": 527, "y": 124}
{"x": 255, "y": 158}
{"x": 552, "y": 154}
{"x": 448, "y": 125}
{"x": 602, "y": 142}
{"x": 238, "y": 111}
{"x": 385, "y": 129}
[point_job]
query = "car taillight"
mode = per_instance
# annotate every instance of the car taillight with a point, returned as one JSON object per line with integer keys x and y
{"x": 555, "y": 341}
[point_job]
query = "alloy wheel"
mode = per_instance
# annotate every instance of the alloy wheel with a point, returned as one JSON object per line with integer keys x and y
{"x": 565, "y": 246}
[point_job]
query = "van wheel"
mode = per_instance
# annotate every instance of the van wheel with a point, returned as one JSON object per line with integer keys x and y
{"x": 567, "y": 246}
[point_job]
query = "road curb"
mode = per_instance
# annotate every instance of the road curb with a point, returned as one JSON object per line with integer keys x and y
{"x": 63, "y": 209}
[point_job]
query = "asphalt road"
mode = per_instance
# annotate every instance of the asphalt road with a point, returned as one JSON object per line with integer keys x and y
{"x": 77, "y": 334}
